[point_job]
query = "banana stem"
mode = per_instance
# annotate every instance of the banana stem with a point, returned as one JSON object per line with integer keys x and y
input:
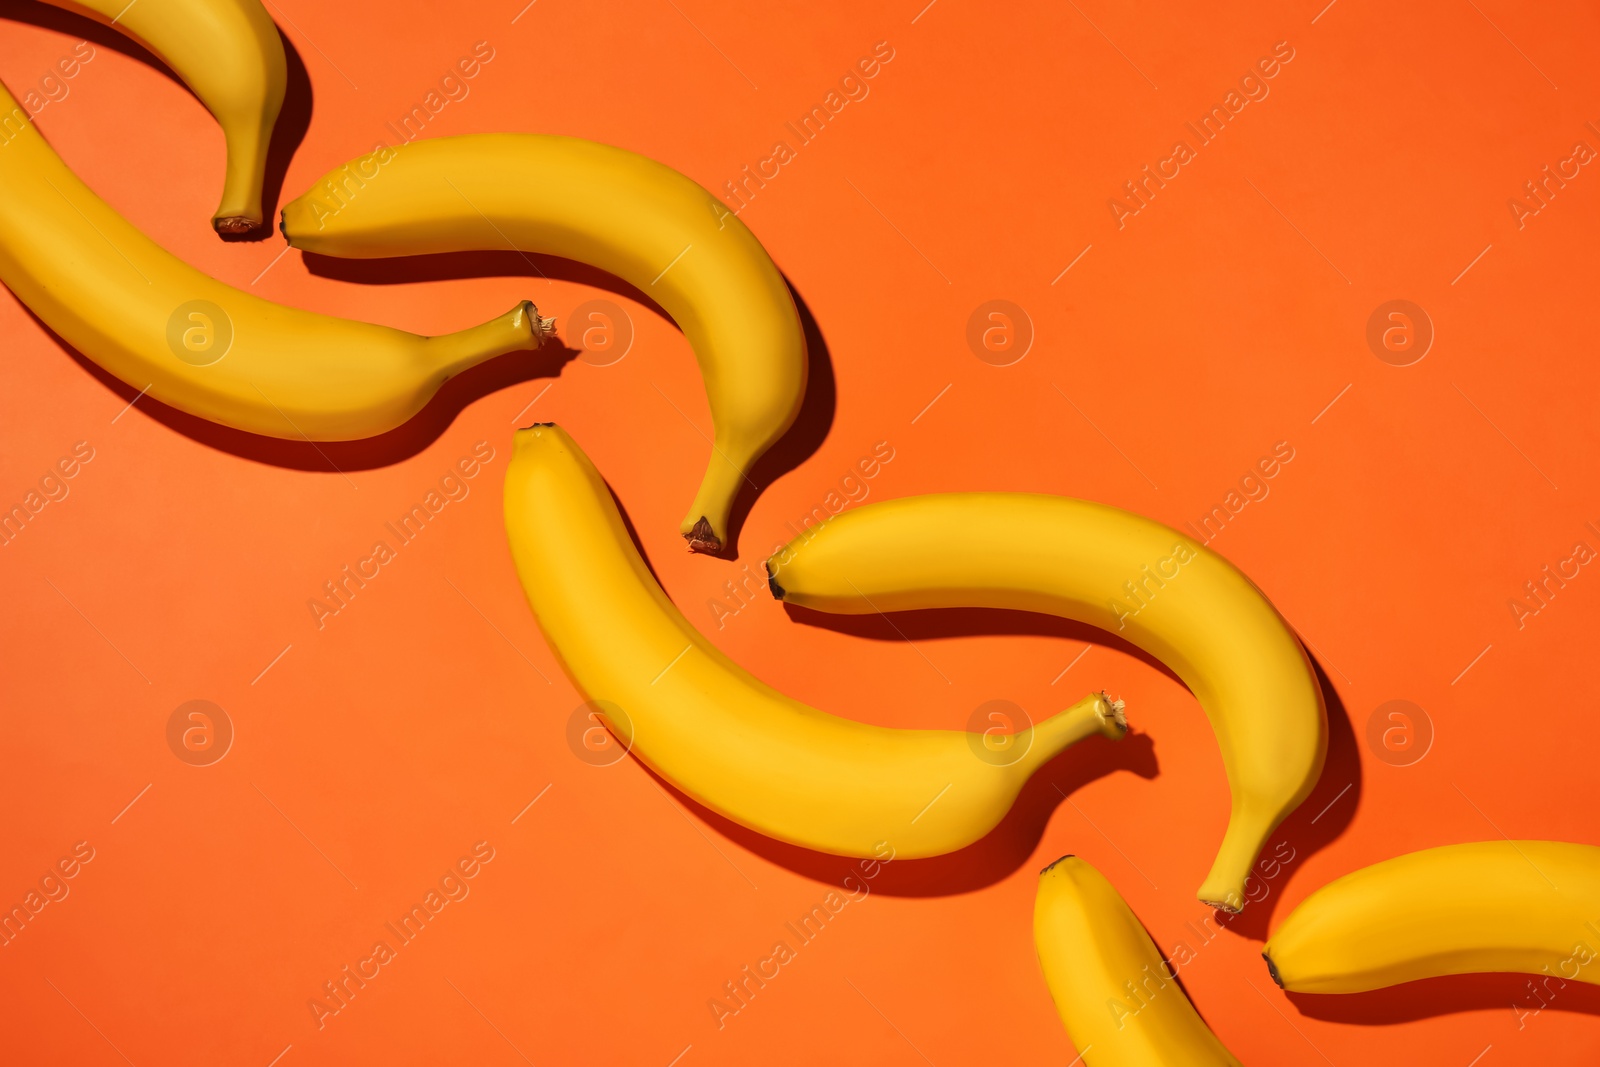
{"x": 240, "y": 209}
{"x": 519, "y": 330}
{"x": 1096, "y": 713}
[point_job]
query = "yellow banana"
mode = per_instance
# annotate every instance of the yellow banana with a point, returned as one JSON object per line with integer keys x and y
{"x": 1121, "y": 1003}
{"x": 732, "y": 743}
{"x": 626, "y": 214}
{"x": 1183, "y": 604}
{"x": 1527, "y": 906}
{"x": 229, "y": 54}
{"x": 199, "y": 345}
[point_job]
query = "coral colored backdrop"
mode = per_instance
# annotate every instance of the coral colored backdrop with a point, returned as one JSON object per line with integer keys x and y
{"x": 1171, "y": 344}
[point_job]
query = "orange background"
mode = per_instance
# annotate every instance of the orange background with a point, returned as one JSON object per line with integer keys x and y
{"x": 428, "y": 713}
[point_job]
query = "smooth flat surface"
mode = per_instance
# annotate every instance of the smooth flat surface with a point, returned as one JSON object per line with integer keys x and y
{"x": 372, "y": 753}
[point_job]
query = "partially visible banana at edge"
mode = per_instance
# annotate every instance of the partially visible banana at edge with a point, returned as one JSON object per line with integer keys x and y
{"x": 1093, "y": 563}
{"x": 710, "y": 728}
{"x": 1522, "y": 906}
{"x": 1119, "y": 1000}
{"x": 229, "y": 54}
{"x": 197, "y": 344}
{"x": 621, "y": 212}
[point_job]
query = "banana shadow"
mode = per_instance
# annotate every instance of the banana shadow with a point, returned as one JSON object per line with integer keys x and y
{"x": 486, "y": 263}
{"x": 633, "y": 534}
{"x": 84, "y": 28}
{"x": 1000, "y": 853}
{"x": 932, "y": 624}
{"x": 1451, "y": 995}
{"x": 294, "y": 118}
{"x": 1319, "y": 820}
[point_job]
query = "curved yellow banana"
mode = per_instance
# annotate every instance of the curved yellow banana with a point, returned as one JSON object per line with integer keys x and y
{"x": 1525, "y": 906}
{"x": 734, "y": 744}
{"x": 626, "y": 214}
{"x": 199, "y": 345}
{"x": 1121, "y": 1003}
{"x": 229, "y": 54}
{"x": 1183, "y": 604}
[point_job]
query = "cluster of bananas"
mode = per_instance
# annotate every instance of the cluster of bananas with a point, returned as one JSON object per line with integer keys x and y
{"x": 775, "y": 765}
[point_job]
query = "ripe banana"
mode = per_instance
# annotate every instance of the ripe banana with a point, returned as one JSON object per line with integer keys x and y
{"x": 732, "y": 743}
{"x": 1121, "y": 1003}
{"x": 1528, "y": 906}
{"x": 626, "y": 214}
{"x": 229, "y": 54}
{"x": 1185, "y": 605}
{"x": 197, "y": 344}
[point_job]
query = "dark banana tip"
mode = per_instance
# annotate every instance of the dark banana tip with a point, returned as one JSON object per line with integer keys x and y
{"x": 772, "y": 584}
{"x": 1055, "y": 862}
{"x": 1272, "y": 969}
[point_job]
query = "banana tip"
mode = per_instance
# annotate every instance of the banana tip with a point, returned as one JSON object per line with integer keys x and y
{"x": 772, "y": 584}
{"x": 1055, "y": 863}
{"x": 1272, "y": 969}
{"x": 233, "y": 224}
{"x": 702, "y": 538}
